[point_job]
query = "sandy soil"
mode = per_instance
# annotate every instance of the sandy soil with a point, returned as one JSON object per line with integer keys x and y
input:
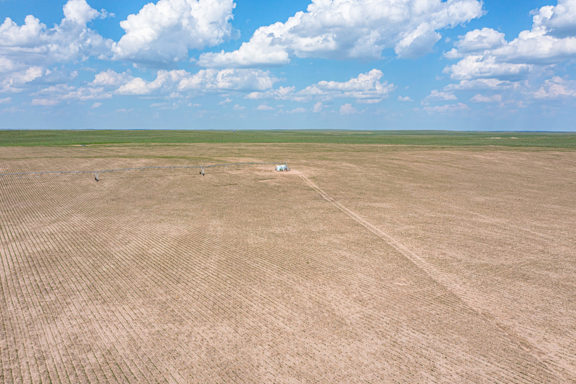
{"x": 365, "y": 264}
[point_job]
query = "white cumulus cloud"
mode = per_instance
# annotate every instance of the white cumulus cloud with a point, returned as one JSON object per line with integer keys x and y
{"x": 171, "y": 84}
{"x": 479, "y": 66}
{"x": 488, "y": 62}
{"x": 165, "y": 80}
{"x": 480, "y": 84}
{"x": 555, "y": 88}
{"x": 34, "y": 43}
{"x": 164, "y": 32}
{"x": 280, "y": 93}
{"x": 536, "y": 47}
{"x": 350, "y": 29}
{"x": 318, "y": 107}
{"x": 441, "y": 95}
{"x": 477, "y": 40}
{"x": 110, "y": 78}
{"x": 27, "y": 51}
{"x": 79, "y": 12}
{"x": 347, "y": 109}
{"x": 485, "y": 53}
{"x": 448, "y": 108}
{"x": 479, "y": 98}
{"x": 229, "y": 79}
{"x": 560, "y": 20}
{"x": 365, "y": 88}
{"x": 206, "y": 80}
{"x": 14, "y": 81}
{"x": 45, "y": 102}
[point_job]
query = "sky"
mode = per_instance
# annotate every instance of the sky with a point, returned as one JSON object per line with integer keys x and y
{"x": 288, "y": 64}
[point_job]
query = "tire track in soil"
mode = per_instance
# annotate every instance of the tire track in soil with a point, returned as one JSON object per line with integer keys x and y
{"x": 420, "y": 263}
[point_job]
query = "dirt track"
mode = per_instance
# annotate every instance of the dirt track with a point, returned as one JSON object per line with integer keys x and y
{"x": 366, "y": 264}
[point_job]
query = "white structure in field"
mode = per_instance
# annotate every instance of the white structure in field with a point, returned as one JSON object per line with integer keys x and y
{"x": 282, "y": 168}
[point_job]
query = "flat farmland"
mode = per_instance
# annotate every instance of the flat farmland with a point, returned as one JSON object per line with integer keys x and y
{"x": 364, "y": 264}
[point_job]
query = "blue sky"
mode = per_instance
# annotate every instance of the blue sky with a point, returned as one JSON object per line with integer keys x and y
{"x": 246, "y": 64}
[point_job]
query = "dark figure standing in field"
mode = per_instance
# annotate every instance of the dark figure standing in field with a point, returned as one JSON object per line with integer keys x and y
{"x": 202, "y": 171}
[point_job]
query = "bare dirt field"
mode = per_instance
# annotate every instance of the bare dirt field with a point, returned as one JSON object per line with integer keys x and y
{"x": 364, "y": 264}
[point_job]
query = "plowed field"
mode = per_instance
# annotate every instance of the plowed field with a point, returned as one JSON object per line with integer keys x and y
{"x": 364, "y": 264}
